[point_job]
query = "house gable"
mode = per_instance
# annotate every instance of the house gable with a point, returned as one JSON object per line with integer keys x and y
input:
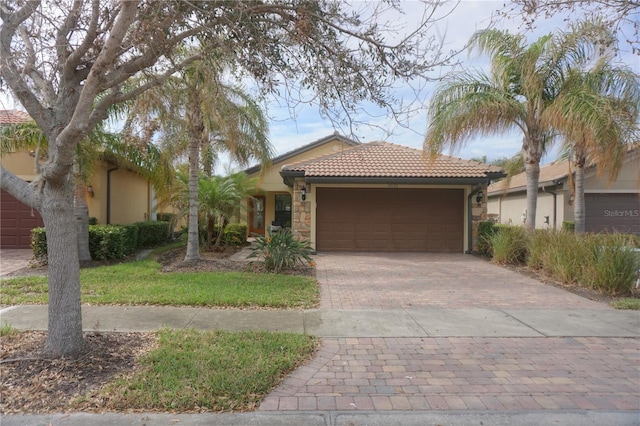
{"x": 270, "y": 179}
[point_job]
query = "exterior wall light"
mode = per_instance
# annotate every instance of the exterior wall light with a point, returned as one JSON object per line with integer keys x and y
{"x": 479, "y": 198}
{"x": 303, "y": 193}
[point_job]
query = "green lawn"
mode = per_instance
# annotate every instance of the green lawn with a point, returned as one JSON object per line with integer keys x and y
{"x": 211, "y": 371}
{"x": 629, "y": 303}
{"x": 142, "y": 283}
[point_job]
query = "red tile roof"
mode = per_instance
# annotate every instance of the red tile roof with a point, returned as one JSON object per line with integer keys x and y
{"x": 12, "y": 116}
{"x": 387, "y": 160}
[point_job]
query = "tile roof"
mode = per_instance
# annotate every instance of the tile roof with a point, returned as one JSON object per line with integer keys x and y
{"x": 388, "y": 160}
{"x": 13, "y": 116}
{"x": 555, "y": 171}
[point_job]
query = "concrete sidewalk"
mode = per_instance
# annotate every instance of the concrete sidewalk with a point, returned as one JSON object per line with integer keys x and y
{"x": 418, "y": 322}
{"x": 588, "y": 418}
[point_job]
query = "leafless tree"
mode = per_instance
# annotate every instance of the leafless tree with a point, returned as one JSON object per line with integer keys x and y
{"x": 621, "y": 16}
{"x": 69, "y": 61}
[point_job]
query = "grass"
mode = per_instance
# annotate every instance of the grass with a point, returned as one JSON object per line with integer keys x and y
{"x": 212, "y": 371}
{"x": 7, "y": 329}
{"x": 629, "y": 303}
{"x": 142, "y": 283}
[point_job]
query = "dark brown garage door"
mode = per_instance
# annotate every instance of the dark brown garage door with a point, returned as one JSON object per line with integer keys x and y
{"x": 16, "y": 222}
{"x": 401, "y": 220}
{"x": 613, "y": 213}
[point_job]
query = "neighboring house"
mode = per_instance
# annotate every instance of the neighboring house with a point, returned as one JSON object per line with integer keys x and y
{"x": 609, "y": 206}
{"x": 115, "y": 196}
{"x": 344, "y": 196}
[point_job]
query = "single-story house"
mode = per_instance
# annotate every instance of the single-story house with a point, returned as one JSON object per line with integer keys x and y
{"x": 115, "y": 196}
{"x": 610, "y": 206}
{"x": 342, "y": 195}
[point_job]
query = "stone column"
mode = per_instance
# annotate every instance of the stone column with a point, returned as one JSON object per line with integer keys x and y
{"x": 478, "y": 214}
{"x": 301, "y": 215}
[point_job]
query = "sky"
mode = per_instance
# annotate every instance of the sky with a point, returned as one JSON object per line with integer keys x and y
{"x": 291, "y": 128}
{"x": 288, "y": 132}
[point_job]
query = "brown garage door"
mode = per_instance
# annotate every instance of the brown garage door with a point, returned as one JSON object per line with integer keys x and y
{"x": 16, "y": 222}
{"x": 613, "y": 213}
{"x": 401, "y": 220}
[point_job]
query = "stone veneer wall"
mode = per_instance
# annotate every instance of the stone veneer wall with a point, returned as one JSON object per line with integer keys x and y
{"x": 478, "y": 214}
{"x": 301, "y": 216}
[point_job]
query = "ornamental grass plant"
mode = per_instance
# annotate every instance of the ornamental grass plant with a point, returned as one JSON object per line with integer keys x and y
{"x": 281, "y": 251}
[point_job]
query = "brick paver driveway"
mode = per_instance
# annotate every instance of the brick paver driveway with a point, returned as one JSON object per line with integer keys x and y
{"x": 455, "y": 373}
{"x": 401, "y": 280}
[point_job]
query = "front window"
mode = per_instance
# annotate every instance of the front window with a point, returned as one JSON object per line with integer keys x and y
{"x": 283, "y": 210}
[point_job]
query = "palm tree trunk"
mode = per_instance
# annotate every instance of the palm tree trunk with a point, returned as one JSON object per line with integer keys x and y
{"x": 533, "y": 177}
{"x": 193, "y": 238}
{"x": 81, "y": 214}
{"x": 579, "y": 212}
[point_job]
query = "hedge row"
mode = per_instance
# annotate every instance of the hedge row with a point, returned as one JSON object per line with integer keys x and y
{"x": 110, "y": 241}
{"x": 608, "y": 263}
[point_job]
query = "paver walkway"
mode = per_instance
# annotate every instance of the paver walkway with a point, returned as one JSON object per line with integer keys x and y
{"x": 13, "y": 259}
{"x": 456, "y": 373}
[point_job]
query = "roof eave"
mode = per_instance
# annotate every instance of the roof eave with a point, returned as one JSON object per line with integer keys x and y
{"x": 397, "y": 180}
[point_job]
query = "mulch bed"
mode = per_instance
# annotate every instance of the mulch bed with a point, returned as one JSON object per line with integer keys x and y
{"x": 32, "y": 383}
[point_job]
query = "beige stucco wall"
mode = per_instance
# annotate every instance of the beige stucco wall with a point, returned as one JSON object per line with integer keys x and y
{"x": 510, "y": 208}
{"x": 20, "y": 164}
{"x": 130, "y": 196}
{"x": 628, "y": 179}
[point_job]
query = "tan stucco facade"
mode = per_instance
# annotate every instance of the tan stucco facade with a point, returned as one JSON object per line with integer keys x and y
{"x": 119, "y": 196}
{"x": 115, "y": 195}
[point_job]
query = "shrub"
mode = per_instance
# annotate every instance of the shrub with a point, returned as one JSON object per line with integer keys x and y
{"x": 130, "y": 237}
{"x": 108, "y": 241}
{"x": 281, "y": 251}
{"x": 152, "y": 233}
{"x": 509, "y": 244}
{"x": 568, "y": 226}
{"x": 606, "y": 263}
{"x": 486, "y": 230}
{"x": 614, "y": 264}
{"x": 565, "y": 256}
{"x": 39, "y": 244}
{"x": 235, "y": 234}
{"x": 93, "y": 220}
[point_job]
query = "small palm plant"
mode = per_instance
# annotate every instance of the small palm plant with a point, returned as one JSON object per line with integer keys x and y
{"x": 281, "y": 251}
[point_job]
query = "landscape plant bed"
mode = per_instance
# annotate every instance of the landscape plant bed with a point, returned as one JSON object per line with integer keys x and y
{"x": 169, "y": 371}
{"x": 213, "y": 281}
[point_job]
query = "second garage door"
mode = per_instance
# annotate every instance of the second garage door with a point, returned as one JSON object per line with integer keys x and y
{"x": 16, "y": 222}
{"x": 400, "y": 220}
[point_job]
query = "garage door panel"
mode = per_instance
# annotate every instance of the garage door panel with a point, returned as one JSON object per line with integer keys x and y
{"x": 16, "y": 222}
{"x": 613, "y": 213}
{"x": 390, "y": 219}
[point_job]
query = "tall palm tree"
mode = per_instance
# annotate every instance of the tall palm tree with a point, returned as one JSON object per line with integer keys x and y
{"x": 525, "y": 82}
{"x": 194, "y": 110}
{"x": 597, "y": 115}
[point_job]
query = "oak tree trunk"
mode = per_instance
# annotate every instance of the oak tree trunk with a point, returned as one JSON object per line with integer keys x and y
{"x": 65, "y": 316}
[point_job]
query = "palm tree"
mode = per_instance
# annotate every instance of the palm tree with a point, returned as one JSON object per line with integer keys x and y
{"x": 597, "y": 114}
{"x": 525, "y": 82}
{"x": 194, "y": 110}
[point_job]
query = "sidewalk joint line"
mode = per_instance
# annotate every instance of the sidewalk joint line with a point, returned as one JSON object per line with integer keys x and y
{"x": 524, "y": 323}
